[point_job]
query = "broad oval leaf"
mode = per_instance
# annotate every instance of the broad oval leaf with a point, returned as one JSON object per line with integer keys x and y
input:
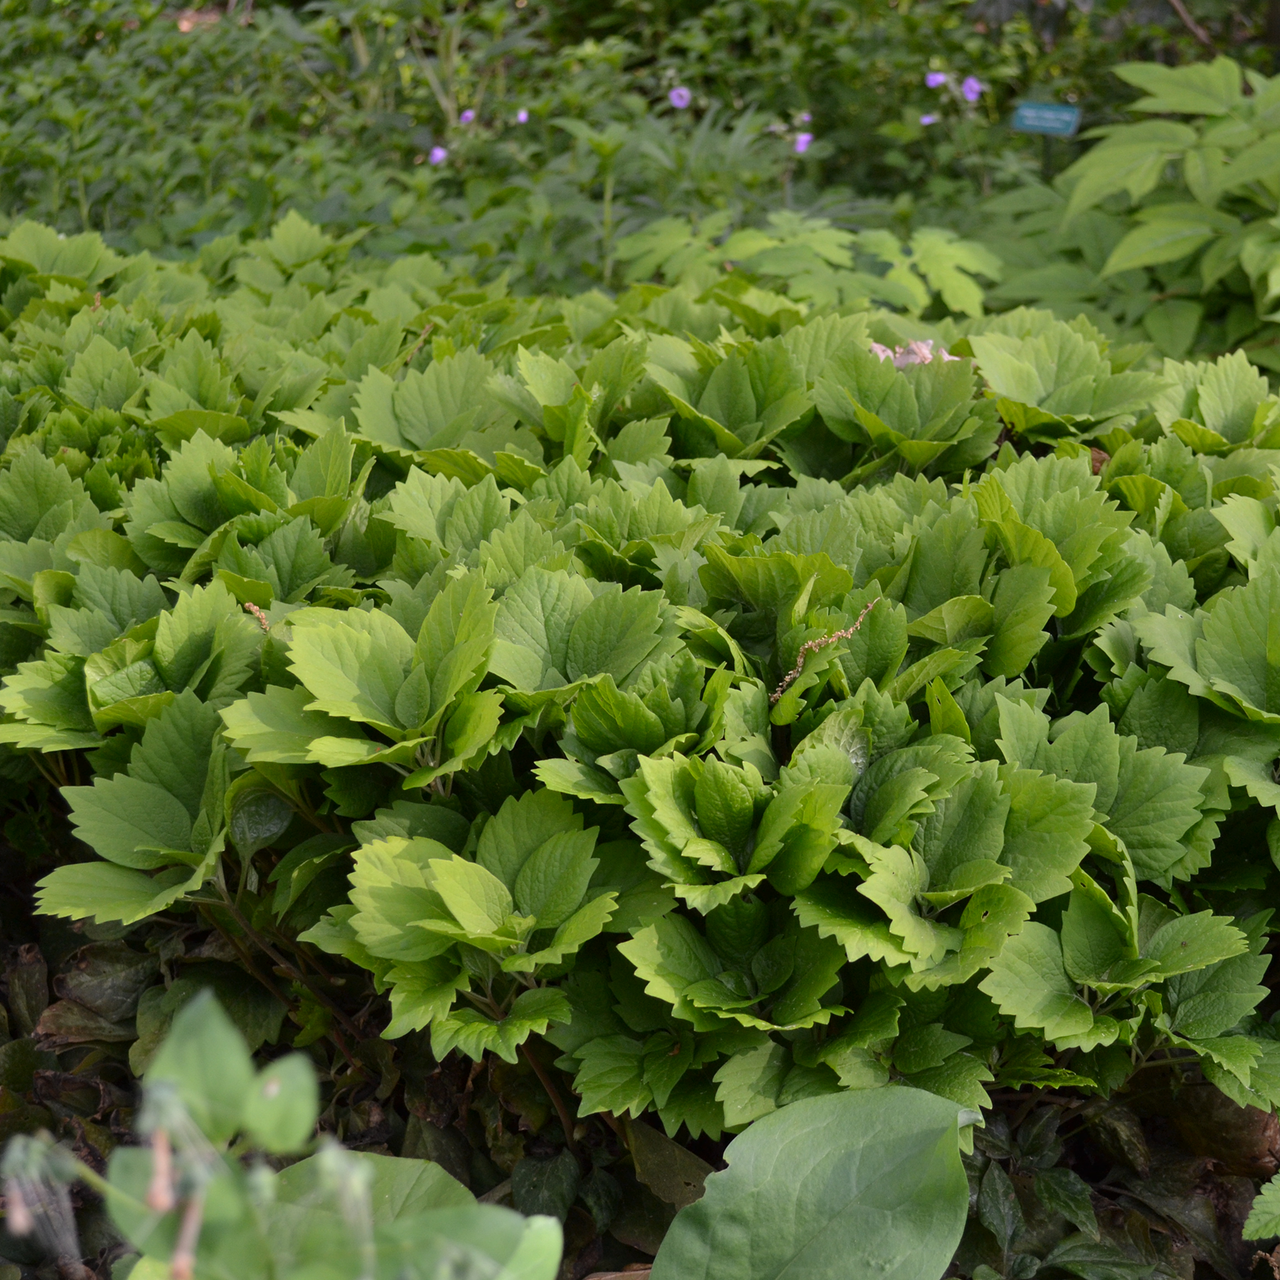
{"x": 844, "y": 1187}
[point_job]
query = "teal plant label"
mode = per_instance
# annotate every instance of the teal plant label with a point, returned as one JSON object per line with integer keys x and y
{"x": 1052, "y": 118}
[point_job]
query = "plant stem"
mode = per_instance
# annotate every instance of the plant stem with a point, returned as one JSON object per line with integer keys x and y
{"x": 566, "y": 1122}
{"x": 291, "y": 969}
{"x": 183, "y": 1265}
{"x": 606, "y": 269}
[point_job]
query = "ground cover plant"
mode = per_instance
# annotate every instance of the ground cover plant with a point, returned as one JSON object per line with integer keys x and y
{"x": 649, "y": 662}
{"x": 589, "y": 727}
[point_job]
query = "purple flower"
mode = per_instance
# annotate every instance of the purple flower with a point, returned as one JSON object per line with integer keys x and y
{"x": 928, "y": 119}
{"x": 802, "y": 142}
{"x": 971, "y": 88}
{"x": 468, "y": 116}
{"x": 936, "y": 79}
{"x": 680, "y": 97}
{"x": 437, "y": 155}
{"x": 805, "y": 117}
{"x": 522, "y": 116}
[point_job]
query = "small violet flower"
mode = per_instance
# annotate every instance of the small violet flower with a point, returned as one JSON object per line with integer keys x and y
{"x": 936, "y": 79}
{"x": 805, "y": 117}
{"x": 971, "y": 88}
{"x": 522, "y": 116}
{"x": 437, "y": 155}
{"x": 468, "y": 116}
{"x": 680, "y": 97}
{"x": 802, "y": 142}
{"x": 928, "y": 119}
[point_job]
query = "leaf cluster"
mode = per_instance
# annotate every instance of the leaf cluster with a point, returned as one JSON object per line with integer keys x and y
{"x": 751, "y": 699}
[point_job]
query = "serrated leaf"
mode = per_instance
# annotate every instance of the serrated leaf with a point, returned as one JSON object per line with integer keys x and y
{"x": 1029, "y": 983}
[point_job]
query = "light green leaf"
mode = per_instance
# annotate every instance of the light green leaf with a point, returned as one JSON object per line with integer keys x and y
{"x": 1029, "y": 983}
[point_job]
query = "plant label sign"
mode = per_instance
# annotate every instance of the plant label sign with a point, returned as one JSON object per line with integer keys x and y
{"x": 1054, "y": 119}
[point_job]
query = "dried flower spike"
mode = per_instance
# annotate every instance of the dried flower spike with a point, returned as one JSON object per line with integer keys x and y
{"x": 160, "y": 1198}
{"x": 252, "y": 608}
{"x": 812, "y": 646}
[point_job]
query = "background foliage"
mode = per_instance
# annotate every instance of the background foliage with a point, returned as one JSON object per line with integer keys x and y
{"x": 607, "y": 624}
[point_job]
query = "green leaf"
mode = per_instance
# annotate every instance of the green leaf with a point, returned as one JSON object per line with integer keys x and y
{"x": 835, "y": 908}
{"x": 611, "y": 1077}
{"x": 1207, "y": 1002}
{"x": 998, "y": 1207}
{"x": 1162, "y": 239}
{"x": 130, "y": 822}
{"x": 102, "y": 377}
{"x": 472, "y": 1033}
{"x": 107, "y": 893}
{"x": 1096, "y": 936}
{"x": 1263, "y": 1221}
{"x": 522, "y": 825}
{"x": 278, "y": 727}
{"x": 1211, "y": 88}
{"x": 1082, "y": 1256}
{"x": 1236, "y": 656}
{"x": 1029, "y": 983}
{"x": 454, "y": 645}
{"x": 398, "y": 1188}
{"x": 1046, "y": 832}
{"x": 749, "y": 1083}
{"x": 669, "y": 957}
{"x": 898, "y": 877}
{"x": 1064, "y": 1191}
{"x": 548, "y": 1186}
{"x": 282, "y": 1105}
{"x": 354, "y": 665}
{"x": 861, "y": 1183}
{"x": 1191, "y": 942}
{"x": 476, "y": 898}
{"x": 534, "y": 620}
{"x": 149, "y": 817}
{"x": 205, "y": 1059}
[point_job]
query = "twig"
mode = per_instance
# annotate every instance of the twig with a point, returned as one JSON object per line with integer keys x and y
{"x": 319, "y": 86}
{"x": 1272, "y": 1260}
{"x": 422, "y": 338}
{"x": 246, "y": 960}
{"x": 812, "y": 646}
{"x": 160, "y": 1190}
{"x": 1192, "y": 25}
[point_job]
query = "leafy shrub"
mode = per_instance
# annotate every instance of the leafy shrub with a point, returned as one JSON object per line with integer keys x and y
{"x": 882, "y": 85}
{"x": 1164, "y": 224}
{"x": 165, "y": 129}
{"x": 159, "y": 135}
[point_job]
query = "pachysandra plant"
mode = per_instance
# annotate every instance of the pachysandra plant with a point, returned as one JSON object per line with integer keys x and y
{"x": 753, "y": 711}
